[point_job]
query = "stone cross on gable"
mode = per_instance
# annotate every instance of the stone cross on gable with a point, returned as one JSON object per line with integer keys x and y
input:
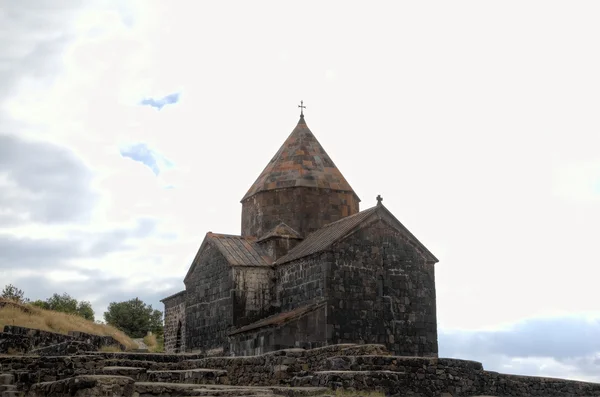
{"x": 379, "y": 199}
{"x": 302, "y": 107}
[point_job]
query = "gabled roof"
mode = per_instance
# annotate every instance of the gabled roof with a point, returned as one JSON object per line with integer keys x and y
{"x": 300, "y": 161}
{"x": 281, "y": 230}
{"x": 173, "y": 296}
{"x": 325, "y": 237}
{"x": 237, "y": 250}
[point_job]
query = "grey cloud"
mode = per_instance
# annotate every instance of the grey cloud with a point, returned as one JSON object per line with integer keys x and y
{"x": 561, "y": 338}
{"x": 26, "y": 253}
{"x": 31, "y": 254}
{"x": 32, "y": 35}
{"x": 569, "y": 340}
{"x": 47, "y": 183}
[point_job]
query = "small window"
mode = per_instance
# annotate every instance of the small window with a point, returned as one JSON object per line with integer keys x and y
{"x": 380, "y": 286}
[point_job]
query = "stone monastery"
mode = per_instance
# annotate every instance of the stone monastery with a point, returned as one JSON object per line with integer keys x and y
{"x": 308, "y": 270}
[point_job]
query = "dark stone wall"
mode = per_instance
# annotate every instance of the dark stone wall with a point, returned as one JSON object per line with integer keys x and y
{"x": 303, "y": 209}
{"x": 302, "y": 281}
{"x": 305, "y": 332}
{"x": 253, "y": 291}
{"x": 381, "y": 290}
{"x": 175, "y": 323}
{"x": 209, "y": 302}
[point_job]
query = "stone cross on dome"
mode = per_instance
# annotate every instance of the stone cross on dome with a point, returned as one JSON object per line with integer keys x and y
{"x": 379, "y": 199}
{"x": 302, "y": 107}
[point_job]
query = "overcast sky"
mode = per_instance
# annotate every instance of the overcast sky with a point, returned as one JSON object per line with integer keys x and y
{"x": 128, "y": 129}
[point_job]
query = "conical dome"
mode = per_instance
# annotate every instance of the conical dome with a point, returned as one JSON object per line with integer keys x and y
{"x": 301, "y": 161}
{"x": 301, "y": 187}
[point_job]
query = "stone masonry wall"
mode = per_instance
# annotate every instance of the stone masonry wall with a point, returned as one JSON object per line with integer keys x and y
{"x": 356, "y": 367}
{"x": 253, "y": 290}
{"x": 15, "y": 338}
{"x": 381, "y": 290}
{"x": 209, "y": 302}
{"x": 175, "y": 322}
{"x": 302, "y": 281}
{"x": 303, "y": 209}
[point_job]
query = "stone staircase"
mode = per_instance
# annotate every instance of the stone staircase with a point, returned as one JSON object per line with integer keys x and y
{"x": 332, "y": 370}
{"x": 7, "y": 387}
{"x": 136, "y": 377}
{"x": 123, "y": 386}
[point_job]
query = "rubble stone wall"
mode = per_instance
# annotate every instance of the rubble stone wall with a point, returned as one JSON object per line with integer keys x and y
{"x": 22, "y": 339}
{"x": 355, "y": 367}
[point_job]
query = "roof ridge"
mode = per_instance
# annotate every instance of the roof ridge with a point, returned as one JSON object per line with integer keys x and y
{"x": 226, "y": 235}
{"x": 349, "y": 216}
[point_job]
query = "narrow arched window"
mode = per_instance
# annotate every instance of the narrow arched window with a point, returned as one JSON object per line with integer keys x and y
{"x": 380, "y": 286}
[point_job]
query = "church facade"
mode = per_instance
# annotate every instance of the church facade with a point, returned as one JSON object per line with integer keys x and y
{"x": 309, "y": 269}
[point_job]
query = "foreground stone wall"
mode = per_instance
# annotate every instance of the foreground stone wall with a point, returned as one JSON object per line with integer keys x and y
{"x": 29, "y": 370}
{"x": 382, "y": 290}
{"x": 359, "y": 368}
{"x": 24, "y": 340}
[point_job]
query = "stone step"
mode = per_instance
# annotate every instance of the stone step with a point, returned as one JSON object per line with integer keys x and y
{"x": 394, "y": 363}
{"x": 136, "y": 373}
{"x": 190, "y": 376}
{"x": 118, "y": 362}
{"x": 6, "y": 379}
{"x": 154, "y": 389}
{"x": 85, "y": 385}
{"x": 299, "y": 391}
{"x": 4, "y": 388}
{"x": 356, "y": 380}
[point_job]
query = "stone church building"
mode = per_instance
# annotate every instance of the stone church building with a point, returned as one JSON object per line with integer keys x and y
{"x": 308, "y": 270}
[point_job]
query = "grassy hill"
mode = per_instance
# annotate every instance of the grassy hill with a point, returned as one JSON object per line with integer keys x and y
{"x": 24, "y": 315}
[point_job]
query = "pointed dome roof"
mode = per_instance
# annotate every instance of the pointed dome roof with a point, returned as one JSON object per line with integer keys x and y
{"x": 300, "y": 161}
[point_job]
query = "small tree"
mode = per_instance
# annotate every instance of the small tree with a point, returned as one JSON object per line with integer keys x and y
{"x": 84, "y": 309}
{"x": 134, "y": 317}
{"x": 66, "y": 304}
{"x": 62, "y": 303}
{"x": 13, "y": 293}
{"x": 40, "y": 303}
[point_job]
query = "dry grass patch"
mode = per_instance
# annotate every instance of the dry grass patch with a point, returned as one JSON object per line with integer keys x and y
{"x": 28, "y": 316}
{"x": 151, "y": 342}
{"x": 154, "y": 344}
{"x": 110, "y": 349}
